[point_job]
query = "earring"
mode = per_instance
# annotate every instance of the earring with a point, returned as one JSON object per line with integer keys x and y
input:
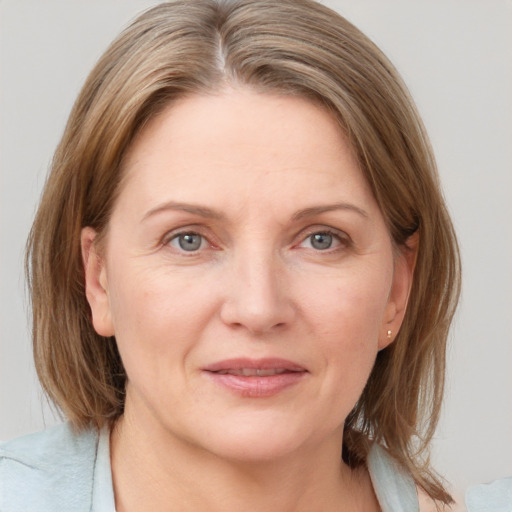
{"x": 389, "y": 335}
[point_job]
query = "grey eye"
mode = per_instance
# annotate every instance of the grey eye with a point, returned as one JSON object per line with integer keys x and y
{"x": 188, "y": 241}
{"x": 321, "y": 241}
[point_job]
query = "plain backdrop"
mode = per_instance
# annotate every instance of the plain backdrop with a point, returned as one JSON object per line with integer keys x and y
{"x": 455, "y": 56}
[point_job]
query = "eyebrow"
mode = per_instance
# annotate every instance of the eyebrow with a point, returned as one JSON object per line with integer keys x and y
{"x": 317, "y": 210}
{"x": 210, "y": 213}
{"x": 201, "y": 211}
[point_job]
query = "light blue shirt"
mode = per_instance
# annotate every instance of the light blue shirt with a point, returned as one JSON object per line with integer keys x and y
{"x": 492, "y": 497}
{"x": 60, "y": 470}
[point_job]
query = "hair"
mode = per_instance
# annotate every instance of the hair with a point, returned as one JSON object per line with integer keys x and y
{"x": 290, "y": 47}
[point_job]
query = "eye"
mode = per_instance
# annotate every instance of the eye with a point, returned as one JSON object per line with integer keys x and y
{"x": 188, "y": 241}
{"x": 322, "y": 241}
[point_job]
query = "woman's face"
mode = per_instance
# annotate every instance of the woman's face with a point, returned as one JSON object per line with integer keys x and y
{"x": 247, "y": 276}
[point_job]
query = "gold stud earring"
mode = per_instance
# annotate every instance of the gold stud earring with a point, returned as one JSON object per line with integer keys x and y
{"x": 389, "y": 335}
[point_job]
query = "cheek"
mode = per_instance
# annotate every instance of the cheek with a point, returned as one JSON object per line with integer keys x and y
{"x": 156, "y": 317}
{"x": 346, "y": 315}
{"x": 350, "y": 304}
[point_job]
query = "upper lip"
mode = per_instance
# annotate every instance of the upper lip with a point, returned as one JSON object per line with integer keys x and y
{"x": 256, "y": 364}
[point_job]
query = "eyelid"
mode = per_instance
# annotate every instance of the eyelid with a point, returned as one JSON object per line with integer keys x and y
{"x": 311, "y": 230}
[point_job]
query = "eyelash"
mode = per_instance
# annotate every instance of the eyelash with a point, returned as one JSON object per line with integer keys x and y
{"x": 343, "y": 240}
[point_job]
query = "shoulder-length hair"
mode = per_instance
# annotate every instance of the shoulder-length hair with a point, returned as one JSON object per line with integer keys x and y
{"x": 289, "y": 47}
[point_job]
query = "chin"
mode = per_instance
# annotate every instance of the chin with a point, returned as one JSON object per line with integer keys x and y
{"x": 255, "y": 449}
{"x": 259, "y": 441}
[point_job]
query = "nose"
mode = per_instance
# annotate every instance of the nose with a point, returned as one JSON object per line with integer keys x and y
{"x": 257, "y": 294}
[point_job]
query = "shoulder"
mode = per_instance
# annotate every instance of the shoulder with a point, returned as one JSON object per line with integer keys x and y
{"x": 427, "y": 504}
{"x": 495, "y": 496}
{"x": 395, "y": 488}
{"x": 492, "y": 497}
{"x": 48, "y": 470}
{"x": 393, "y": 485}
{"x": 53, "y": 445}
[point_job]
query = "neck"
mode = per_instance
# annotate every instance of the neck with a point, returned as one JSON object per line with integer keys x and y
{"x": 154, "y": 471}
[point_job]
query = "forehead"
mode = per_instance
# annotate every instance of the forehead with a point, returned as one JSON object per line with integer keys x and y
{"x": 244, "y": 143}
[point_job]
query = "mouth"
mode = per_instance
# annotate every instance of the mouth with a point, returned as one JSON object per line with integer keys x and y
{"x": 253, "y": 372}
{"x": 256, "y": 378}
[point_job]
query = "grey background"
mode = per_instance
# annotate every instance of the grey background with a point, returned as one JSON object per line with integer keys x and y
{"x": 456, "y": 57}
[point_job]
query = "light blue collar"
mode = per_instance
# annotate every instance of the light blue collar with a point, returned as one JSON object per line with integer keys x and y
{"x": 103, "y": 489}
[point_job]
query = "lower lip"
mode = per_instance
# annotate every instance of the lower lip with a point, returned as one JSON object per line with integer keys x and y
{"x": 257, "y": 387}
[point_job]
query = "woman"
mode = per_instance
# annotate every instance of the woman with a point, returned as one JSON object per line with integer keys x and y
{"x": 242, "y": 274}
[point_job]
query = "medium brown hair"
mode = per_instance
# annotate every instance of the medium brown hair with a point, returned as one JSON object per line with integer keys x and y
{"x": 290, "y": 47}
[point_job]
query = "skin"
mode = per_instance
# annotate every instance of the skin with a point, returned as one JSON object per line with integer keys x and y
{"x": 255, "y": 176}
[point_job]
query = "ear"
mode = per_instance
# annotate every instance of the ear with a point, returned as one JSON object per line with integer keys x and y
{"x": 96, "y": 284}
{"x": 403, "y": 273}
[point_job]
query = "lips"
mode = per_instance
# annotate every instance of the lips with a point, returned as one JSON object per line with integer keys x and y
{"x": 256, "y": 378}
{"x": 253, "y": 372}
